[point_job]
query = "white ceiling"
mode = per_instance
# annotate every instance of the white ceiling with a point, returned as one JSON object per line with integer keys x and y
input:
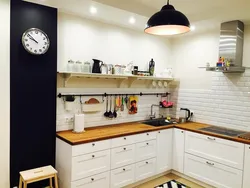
{"x": 203, "y": 14}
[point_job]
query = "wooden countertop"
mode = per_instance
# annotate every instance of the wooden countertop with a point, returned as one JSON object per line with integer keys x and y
{"x": 125, "y": 129}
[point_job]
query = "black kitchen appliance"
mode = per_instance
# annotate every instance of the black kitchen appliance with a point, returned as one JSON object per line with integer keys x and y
{"x": 97, "y": 66}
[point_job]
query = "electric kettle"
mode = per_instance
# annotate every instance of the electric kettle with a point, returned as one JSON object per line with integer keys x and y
{"x": 97, "y": 66}
{"x": 185, "y": 115}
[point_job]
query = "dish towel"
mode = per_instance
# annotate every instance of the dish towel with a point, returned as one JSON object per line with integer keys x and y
{"x": 172, "y": 184}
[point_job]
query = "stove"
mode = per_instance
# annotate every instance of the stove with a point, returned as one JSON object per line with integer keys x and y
{"x": 223, "y": 131}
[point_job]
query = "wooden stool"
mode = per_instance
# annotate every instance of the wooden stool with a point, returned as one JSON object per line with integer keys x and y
{"x": 38, "y": 174}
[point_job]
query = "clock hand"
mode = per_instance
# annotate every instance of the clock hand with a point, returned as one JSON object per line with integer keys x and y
{"x": 32, "y": 38}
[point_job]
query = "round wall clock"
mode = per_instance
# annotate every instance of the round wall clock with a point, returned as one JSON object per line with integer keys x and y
{"x": 35, "y": 41}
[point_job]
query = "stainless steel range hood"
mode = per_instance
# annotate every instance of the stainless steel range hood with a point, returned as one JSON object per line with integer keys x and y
{"x": 231, "y": 47}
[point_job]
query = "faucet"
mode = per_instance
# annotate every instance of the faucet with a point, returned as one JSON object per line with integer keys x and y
{"x": 152, "y": 115}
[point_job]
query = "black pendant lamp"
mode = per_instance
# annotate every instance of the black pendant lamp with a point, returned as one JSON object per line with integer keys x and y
{"x": 168, "y": 21}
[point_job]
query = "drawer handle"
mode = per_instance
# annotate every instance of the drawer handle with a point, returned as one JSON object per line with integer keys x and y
{"x": 212, "y": 164}
{"x": 147, "y": 162}
{"x": 147, "y": 143}
{"x": 124, "y": 169}
{"x": 93, "y": 156}
{"x": 93, "y": 144}
{"x": 182, "y": 131}
{"x": 209, "y": 138}
{"x": 125, "y": 138}
{"x": 92, "y": 179}
{"x": 159, "y": 132}
{"x": 124, "y": 148}
{"x": 147, "y": 134}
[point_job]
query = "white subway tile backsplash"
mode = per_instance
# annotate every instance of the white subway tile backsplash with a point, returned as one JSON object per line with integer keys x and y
{"x": 226, "y": 104}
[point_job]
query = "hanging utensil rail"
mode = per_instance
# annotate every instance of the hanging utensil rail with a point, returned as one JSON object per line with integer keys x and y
{"x": 113, "y": 94}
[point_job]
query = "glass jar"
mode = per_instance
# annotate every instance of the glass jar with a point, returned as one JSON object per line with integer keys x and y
{"x": 70, "y": 66}
{"x": 78, "y": 66}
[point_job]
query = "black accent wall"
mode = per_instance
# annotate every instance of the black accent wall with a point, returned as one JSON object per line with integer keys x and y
{"x": 32, "y": 91}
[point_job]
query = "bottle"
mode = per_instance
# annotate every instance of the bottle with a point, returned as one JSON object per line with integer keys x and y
{"x": 151, "y": 67}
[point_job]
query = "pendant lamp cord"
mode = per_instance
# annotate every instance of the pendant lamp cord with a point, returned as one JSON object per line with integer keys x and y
{"x": 168, "y": 2}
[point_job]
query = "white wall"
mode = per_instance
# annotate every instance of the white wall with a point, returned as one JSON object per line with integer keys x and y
{"x": 4, "y": 94}
{"x": 83, "y": 39}
{"x": 216, "y": 98}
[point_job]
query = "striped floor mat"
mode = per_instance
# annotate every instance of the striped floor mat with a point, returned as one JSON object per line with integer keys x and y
{"x": 172, "y": 184}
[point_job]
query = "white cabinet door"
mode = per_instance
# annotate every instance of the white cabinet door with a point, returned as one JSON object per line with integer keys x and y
{"x": 164, "y": 150}
{"x": 145, "y": 150}
{"x": 145, "y": 169}
{"x": 122, "y": 176}
{"x": 122, "y": 156}
{"x": 90, "y": 147}
{"x": 212, "y": 173}
{"x": 246, "y": 177}
{"x": 145, "y": 136}
{"x": 90, "y": 164}
{"x": 178, "y": 150}
{"x": 96, "y": 181}
{"x": 122, "y": 141}
{"x": 216, "y": 149}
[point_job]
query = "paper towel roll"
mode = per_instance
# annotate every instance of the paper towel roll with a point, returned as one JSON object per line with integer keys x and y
{"x": 79, "y": 123}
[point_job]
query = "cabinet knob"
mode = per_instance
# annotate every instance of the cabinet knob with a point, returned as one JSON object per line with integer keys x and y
{"x": 147, "y": 134}
{"x": 147, "y": 143}
{"x": 147, "y": 162}
{"x": 159, "y": 132}
{"x": 93, "y": 144}
{"x": 124, "y": 148}
{"x": 93, "y": 156}
{"x": 125, "y": 138}
{"x": 92, "y": 179}
{"x": 182, "y": 131}
{"x": 124, "y": 169}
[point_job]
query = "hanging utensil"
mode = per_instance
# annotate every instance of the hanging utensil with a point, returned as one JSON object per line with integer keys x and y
{"x": 114, "y": 113}
{"x": 106, "y": 114}
{"x": 110, "y": 112}
{"x": 122, "y": 106}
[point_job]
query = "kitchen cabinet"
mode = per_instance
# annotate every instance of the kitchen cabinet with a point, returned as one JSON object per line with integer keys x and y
{"x": 145, "y": 169}
{"x": 122, "y": 156}
{"x": 100, "y": 180}
{"x": 145, "y": 150}
{"x": 122, "y": 176}
{"x": 90, "y": 164}
{"x": 216, "y": 149}
{"x": 164, "y": 150}
{"x": 178, "y": 150}
{"x": 246, "y": 175}
{"x": 122, "y": 141}
{"x": 212, "y": 173}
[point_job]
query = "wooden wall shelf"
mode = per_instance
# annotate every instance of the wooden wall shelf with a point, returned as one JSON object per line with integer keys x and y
{"x": 120, "y": 78}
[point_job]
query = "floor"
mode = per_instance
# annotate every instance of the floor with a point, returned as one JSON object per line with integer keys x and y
{"x": 166, "y": 178}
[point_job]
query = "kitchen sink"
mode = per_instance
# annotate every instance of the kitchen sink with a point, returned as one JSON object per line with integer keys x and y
{"x": 222, "y": 131}
{"x": 157, "y": 122}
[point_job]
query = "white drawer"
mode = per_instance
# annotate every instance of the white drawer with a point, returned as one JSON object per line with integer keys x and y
{"x": 145, "y": 169}
{"x": 216, "y": 149}
{"x": 96, "y": 181}
{"x": 210, "y": 172}
{"x": 122, "y": 156}
{"x": 90, "y": 147}
{"x": 145, "y": 150}
{"x": 122, "y": 141}
{"x": 90, "y": 164}
{"x": 145, "y": 136}
{"x": 122, "y": 176}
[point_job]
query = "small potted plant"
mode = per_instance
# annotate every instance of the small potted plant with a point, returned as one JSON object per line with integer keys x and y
{"x": 69, "y": 102}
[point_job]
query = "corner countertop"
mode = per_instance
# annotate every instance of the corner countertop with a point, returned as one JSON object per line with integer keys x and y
{"x": 125, "y": 129}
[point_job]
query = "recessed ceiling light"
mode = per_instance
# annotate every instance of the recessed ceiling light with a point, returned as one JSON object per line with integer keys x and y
{"x": 132, "y": 20}
{"x": 192, "y": 28}
{"x": 93, "y": 10}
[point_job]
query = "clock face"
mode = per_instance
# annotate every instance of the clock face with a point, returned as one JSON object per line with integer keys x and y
{"x": 35, "y": 41}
